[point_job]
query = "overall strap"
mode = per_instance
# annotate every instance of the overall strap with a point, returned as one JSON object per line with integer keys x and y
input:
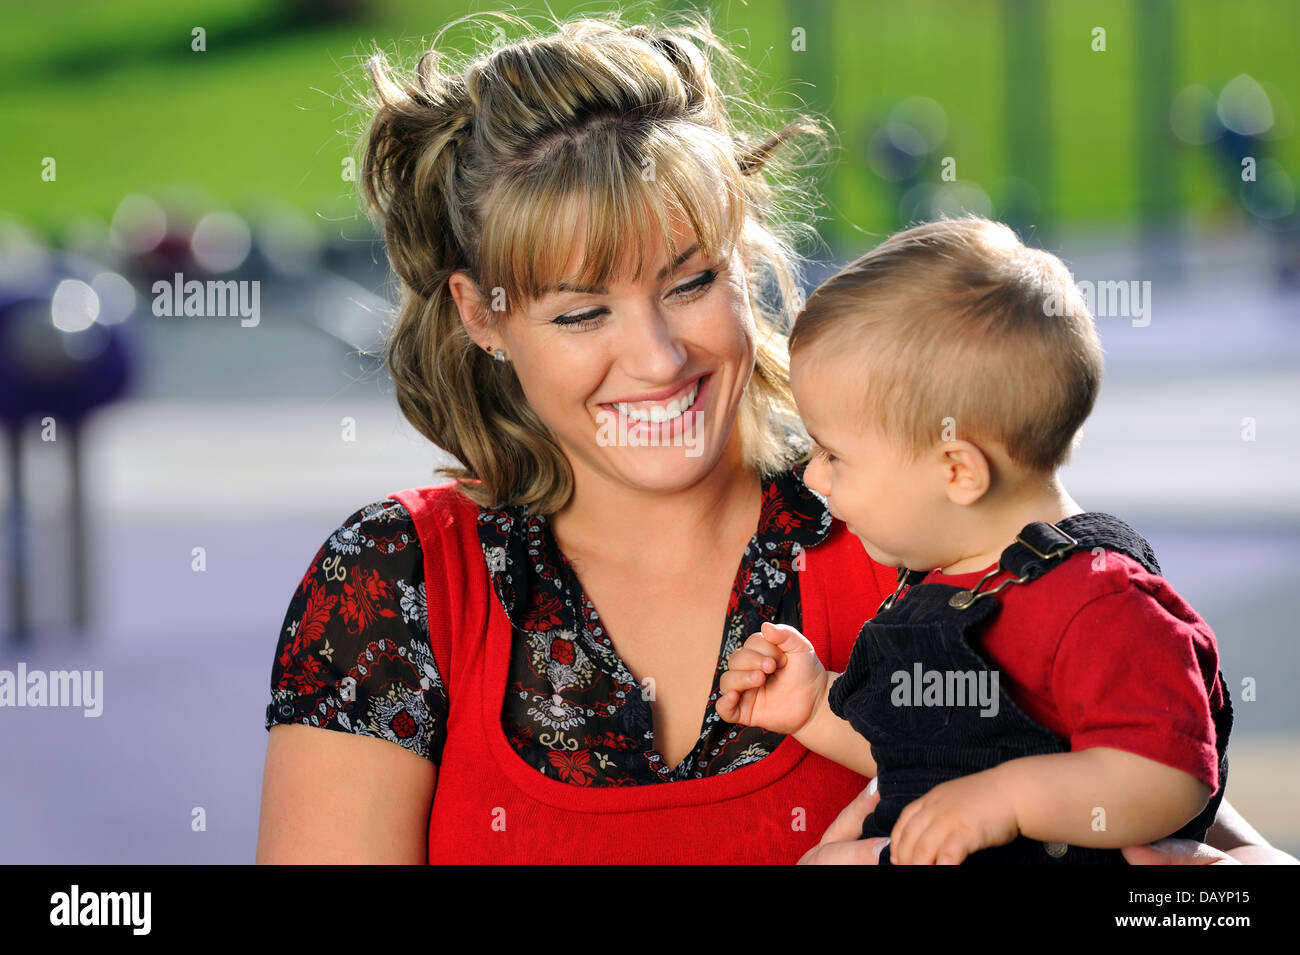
{"x": 1040, "y": 546}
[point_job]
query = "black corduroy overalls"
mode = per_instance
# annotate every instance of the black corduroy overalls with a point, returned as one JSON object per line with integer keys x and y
{"x": 918, "y": 747}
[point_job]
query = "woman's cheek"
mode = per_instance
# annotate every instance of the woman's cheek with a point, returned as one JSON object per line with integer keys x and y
{"x": 740, "y": 317}
{"x": 552, "y": 378}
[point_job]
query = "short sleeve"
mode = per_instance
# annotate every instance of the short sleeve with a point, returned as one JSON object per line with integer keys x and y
{"x": 353, "y": 653}
{"x": 1136, "y": 671}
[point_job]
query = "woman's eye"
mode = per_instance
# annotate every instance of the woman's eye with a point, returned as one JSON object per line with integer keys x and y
{"x": 581, "y": 319}
{"x": 693, "y": 289}
{"x": 696, "y": 286}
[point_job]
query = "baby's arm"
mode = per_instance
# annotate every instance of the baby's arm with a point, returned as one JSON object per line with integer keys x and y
{"x": 776, "y": 681}
{"x": 828, "y": 735}
{"x": 1100, "y": 797}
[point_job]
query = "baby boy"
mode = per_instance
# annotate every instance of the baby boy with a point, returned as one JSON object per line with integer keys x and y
{"x": 1034, "y": 692}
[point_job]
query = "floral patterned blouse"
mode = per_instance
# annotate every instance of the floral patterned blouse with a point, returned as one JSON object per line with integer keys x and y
{"x": 354, "y": 651}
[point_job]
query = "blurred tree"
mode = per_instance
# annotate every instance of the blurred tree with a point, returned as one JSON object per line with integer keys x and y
{"x": 327, "y": 11}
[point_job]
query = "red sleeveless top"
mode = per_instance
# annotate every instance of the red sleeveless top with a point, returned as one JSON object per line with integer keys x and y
{"x": 492, "y": 807}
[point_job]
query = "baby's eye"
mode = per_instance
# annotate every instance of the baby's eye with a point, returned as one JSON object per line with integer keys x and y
{"x": 824, "y": 454}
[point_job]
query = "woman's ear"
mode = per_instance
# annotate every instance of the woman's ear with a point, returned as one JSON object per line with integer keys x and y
{"x": 472, "y": 313}
{"x": 967, "y": 474}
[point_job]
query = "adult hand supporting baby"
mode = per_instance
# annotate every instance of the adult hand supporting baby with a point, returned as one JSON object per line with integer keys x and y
{"x": 840, "y": 844}
{"x": 1177, "y": 852}
{"x": 1230, "y": 841}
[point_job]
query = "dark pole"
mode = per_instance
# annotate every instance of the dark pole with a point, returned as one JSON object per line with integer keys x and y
{"x": 77, "y": 521}
{"x": 1159, "y": 208}
{"x": 815, "y": 65}
{"x": 18, "y": 634}
{"x": 1027, "y": 99}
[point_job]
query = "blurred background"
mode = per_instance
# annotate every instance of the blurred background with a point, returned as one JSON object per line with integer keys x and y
{"x": 1153, "y": 145}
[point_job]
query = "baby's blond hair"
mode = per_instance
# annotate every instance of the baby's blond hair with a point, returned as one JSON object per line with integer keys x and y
{"x": 955, "y": 328}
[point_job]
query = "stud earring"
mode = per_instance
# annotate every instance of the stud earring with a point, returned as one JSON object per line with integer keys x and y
{"x": 499, "y": 355}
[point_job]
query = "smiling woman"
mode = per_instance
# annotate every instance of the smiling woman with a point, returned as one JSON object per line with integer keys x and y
{"x": 515, "y": 191}
{"x": 582, "y": 233}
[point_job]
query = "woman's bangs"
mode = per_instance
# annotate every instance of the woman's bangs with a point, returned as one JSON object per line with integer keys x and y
{"x": 606, "y": 209}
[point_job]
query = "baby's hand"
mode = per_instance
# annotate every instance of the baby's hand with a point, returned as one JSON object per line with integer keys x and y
{"x": 774, "y": 681}
{"x": 953, "y": 820}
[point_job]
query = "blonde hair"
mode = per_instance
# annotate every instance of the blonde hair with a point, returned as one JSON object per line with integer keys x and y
{"x": 957, "y": 323}
{"x": 475, "y": 167}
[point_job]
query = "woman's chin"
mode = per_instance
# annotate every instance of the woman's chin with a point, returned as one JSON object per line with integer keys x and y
{"x": 662, "y": 468}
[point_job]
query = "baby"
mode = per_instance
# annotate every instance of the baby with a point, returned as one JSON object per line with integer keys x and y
{"x": 944, "y": 377}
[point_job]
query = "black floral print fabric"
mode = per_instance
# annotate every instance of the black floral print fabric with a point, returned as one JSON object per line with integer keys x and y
{"x": 354, "y": 651}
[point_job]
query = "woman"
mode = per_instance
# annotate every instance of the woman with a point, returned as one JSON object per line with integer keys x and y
{"x": 589, "y": 256}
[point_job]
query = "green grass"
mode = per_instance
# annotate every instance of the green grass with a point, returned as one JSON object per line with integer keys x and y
{"x": 114, "y": 94}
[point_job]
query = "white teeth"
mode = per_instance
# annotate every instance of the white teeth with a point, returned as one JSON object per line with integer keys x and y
{"x": 658, "y": 414}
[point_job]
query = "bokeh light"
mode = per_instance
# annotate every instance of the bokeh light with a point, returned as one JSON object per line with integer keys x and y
{"x": 139, "y": 224}
{"x": 221, "y": 241}
{"x": 75, "y": 306}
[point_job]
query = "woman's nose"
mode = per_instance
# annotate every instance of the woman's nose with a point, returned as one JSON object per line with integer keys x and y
{"x": 652, "y": 350}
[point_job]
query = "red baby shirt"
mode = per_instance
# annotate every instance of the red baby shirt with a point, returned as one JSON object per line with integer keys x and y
{"x": 1104, "y": 653}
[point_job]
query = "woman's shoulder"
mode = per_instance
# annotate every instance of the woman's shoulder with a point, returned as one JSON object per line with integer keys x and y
{"x": 446, "y": 502}
{"x": 379, "y": 537}
{"x": 353, "y": 652}
{"x": 383, "y": 527}
{"x": 366, "y": 581}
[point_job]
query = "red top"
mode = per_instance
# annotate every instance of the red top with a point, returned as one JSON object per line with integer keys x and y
{"x": 1104, "y": 653}
{"x": 492, "y": 807}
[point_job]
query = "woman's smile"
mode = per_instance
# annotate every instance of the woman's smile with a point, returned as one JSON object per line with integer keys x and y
{"x": 665, "y": 409}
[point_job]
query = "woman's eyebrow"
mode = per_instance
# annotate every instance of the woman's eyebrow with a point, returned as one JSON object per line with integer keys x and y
{"x": 591, "y": 290}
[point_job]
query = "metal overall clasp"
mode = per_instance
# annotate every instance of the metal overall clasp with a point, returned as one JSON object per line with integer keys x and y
{"x": 904, "y": 581}
{"x": 964, "y": 598}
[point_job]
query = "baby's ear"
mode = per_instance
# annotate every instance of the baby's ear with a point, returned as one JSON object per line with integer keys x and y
{"x": 967, "y": 474}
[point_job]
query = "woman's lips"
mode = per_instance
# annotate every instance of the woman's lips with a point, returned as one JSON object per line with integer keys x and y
{"x": 662, "y": 395}
{"x": 672, "y": 427}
